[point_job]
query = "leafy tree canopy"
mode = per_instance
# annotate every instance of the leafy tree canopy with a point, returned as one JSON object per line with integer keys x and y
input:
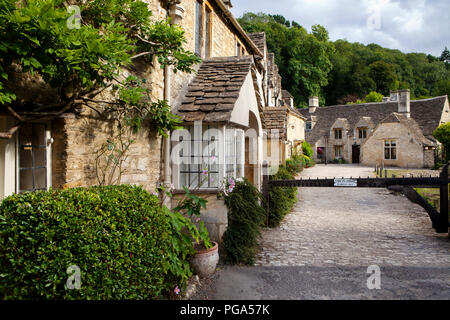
{"x": 303, "y": 58}
{"x": 79, "y": 61}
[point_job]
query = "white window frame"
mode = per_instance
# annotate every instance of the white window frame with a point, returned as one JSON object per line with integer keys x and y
{"x": 48, "y": 147}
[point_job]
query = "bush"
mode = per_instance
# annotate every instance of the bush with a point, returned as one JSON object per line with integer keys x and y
{"x": 246, "y": 217}
{"x": 294, "y": 165}
{"x": 307, "y": 149}
{"x": 282, "y": 199}
{"x": 119, "y": 237}
{"x": 442, "y": 134}
{"x": 338, "y": 161}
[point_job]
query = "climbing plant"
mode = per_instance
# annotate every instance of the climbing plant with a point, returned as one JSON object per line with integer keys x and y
{"x": 80, "y": 52}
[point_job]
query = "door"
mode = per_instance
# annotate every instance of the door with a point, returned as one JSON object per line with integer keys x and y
{"x": 356, "y": 152}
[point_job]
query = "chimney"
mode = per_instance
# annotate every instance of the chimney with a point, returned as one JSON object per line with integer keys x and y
{"x": 313, "y": 104}
{"x": 393, "y": 96}
{"x": 404, "y": 102}
{"x": 228, "y": 3}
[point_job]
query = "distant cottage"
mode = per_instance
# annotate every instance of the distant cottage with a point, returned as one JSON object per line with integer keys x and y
{"x": 396, "y": 132}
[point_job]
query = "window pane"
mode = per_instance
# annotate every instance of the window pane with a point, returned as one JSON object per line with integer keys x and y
{"x": 394, "y": 154}
{"x": 26, "y": 157}
{"x": 40, "y": 157}
{"x": 198, "y": 26}
{"x": 386, "y": 153}
{"x": 184, "y": 179}
{"x": 38, "y": 135}
{"x": 26, "y": 180}
{"x": 40, "y": 179}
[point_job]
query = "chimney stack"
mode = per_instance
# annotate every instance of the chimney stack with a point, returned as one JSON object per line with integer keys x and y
{"x": 404, "y": 102}
{"x": 393, "y": 96}
{"x": 228, "y": 3}
{"x": 313, "y": 104}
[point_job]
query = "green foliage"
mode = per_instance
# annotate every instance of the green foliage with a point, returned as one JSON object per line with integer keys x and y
{"x": 38, "y": 38}
{"x": 352, "y": 76}
{"x": 307, "y": 149}
{"x": 442, "y": 134}
{"x": 294, "y": 165}
{"x": 374, "y": 97}
{"x": 338, "y": 161}
{"x": 246, "y": 217}
{"x": 126, "y": 245}
{"x": 303, "y": 58}
{"x": 282, "y": 199}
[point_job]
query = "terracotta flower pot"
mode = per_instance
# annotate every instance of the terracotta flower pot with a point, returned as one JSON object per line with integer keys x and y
{"x": 204, "y": 262}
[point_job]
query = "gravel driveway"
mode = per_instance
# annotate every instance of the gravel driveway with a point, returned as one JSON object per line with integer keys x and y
{"x": 323, "y": 248}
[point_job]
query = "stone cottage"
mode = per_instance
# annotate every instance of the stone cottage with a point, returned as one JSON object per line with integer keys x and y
{"x": 222, "y": 107}
{"x": 396, "y": 132}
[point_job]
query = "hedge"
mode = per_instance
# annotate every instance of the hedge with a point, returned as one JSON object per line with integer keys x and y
{"x": 246, "y": 217}
{"x": 118, "y": 236}
{"x": 282, "y": 199}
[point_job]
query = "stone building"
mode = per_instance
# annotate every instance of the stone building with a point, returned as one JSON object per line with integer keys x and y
{"x": 396, "y": 132}
{"x": 225, "y": 101}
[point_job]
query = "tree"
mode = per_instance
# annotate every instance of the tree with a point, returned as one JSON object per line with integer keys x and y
{"x": 445, "y": 56}
{"x": 303, "y": 58}
{"x": 383, "y": 74}
{"x": 79, "y": 60}
{"x": 374, "y": 97}
{"x": 442, "y": 134}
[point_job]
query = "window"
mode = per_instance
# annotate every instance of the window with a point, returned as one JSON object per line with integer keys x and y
{"x": 198, "y": 27}
{"x": 390, "y": 150}
{"x": 206, "y": 161}
{"x": 362, "y": 133}
{"x": 238, "y": 49}
{"x": 208, "y": 29}
{"x": 32, "y": 157}
{"x": 338, "y": 151}
{"x": 309, "y": 125}
{"x": 338, "y": 134}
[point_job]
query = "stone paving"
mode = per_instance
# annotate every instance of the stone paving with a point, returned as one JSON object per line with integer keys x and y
{"x": 353, "y": 227}
{"x": 322, "y": 250}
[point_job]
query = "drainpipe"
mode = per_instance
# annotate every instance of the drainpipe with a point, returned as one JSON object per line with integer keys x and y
{"x": 175, "y": 11}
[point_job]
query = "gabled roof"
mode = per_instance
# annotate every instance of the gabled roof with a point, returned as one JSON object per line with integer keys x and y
{"x": 213, "y": 93}
{"x": 286, "y": 94}
{"x": 275, "y": 119}
{"x": 427, "y": 113}
{"x": 411, "y": 125}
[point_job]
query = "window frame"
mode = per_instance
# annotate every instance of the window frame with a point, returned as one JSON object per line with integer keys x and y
{"x": 48, "y": 159}
{"x": 362, "y": 132}
{"x": 390, "y": 145}
{"x": 338, "y": 133}
{"x": 308, "y": 126}
{"x": 208, "y": 17}
{"x": 198, "y": 29}
{"x": 341, "y": 148}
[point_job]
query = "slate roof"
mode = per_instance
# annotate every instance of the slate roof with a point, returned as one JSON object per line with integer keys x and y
{"x": 275, "y": 118}
{"x": 427, "y": 114}
{"x": 213, "y": 93}
{"x": 259, "y": 39}
{"x": 286, "y": 94}
{"x": 412, "y": 126}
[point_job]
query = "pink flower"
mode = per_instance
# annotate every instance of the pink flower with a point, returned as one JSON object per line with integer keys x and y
{"x": 205, "y": 172}
{"x": 176, "y": 290}
{"x": 213, "y": 158}
{"x": 231, "y": 181}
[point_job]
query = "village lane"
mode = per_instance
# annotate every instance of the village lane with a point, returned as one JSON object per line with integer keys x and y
{"x": 323, "y": 249}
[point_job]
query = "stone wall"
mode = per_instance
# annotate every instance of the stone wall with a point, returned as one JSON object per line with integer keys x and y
{"x": 410, "y": 152}
{"x": 77, "y": 142}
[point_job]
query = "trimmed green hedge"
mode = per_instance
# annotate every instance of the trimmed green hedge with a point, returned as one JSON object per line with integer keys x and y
{"x": 118, "y": 236}
{"x": 282, "y": 199}
{"x": 246, "y": 218}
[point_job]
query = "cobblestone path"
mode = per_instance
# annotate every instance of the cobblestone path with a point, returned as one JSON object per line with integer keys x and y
{"x": 353, "y": 227}
{"x": 323, "y": 248}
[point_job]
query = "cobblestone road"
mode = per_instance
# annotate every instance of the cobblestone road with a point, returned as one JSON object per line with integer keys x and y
{"x": 353, "y": 227}
{"x": 323, "y": 248}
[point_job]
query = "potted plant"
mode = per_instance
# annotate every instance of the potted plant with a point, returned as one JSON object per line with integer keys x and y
{"x": 206, "y": 256}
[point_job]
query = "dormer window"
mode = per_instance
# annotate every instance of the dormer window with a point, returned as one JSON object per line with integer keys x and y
{"x": 338, "y": 134}
{"x": 308, "y": 125}
{"x": 362, "y": 133}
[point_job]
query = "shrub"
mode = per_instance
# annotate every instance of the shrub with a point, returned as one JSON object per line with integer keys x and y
{"x": 246, "y": 217}
{"x": 119, "y": 236}
{"x": 294, "y": 165}
{"x": 442, "y": 134}
{"x": 307, "y": 149}
{"x": 282, "y": 199}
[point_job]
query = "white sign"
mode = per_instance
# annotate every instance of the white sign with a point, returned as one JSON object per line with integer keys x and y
{"x": 345, "y": 183}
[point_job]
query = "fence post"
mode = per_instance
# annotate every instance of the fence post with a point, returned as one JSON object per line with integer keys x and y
{"x": 265, "y": 188}
{"x": 443, "y": 214}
